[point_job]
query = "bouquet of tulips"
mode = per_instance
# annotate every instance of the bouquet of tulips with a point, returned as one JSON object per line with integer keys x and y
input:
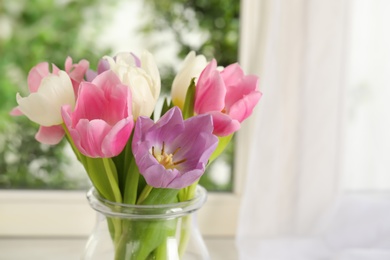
{"x": 132, "y": 153}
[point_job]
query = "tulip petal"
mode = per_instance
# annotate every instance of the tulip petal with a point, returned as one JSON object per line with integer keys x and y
{"x": 142, "y": 126}
{"x": 37, "y": 73}
{"x": 243, "y": 108}
{"x": 136, "y": 60}
{"x": 89, "y": 103}
{"x": 143, "y": 99}
{"x": 210, "y": 90}
{"x": 76, "y": 71}
{"x": 113, "y": 143}
{"x": 90, "y": 75}
{"x": 44, "y": 106}
{"x": 224, "y": 125}
{"x": 150, "y": 67}
{"x": 189, "y": 177}
{"x": 50, "y": 135}
{"x": 16, "y": 112}
{"x": 103, "y": 66}
{"x": 194, "y": 146}
{"x": 242, "y": 88}
{"x": 167, "y": 128}
{"x": 91, "y": 134}
{"x": 232, "y": 74}
{"x": 158, "y": 180}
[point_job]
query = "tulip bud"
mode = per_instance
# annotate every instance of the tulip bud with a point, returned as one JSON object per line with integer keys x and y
{"x": 191, "y": 68}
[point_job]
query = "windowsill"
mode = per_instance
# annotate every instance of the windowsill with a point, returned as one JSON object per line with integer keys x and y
{"x": 217, "y": 218}
{"x": 71, "y": 248}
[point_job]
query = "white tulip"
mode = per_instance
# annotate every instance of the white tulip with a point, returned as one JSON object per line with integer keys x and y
{"x": 143, "y": 80}
{"x": 191, "y": 68}
{"x": 44, "y": 106}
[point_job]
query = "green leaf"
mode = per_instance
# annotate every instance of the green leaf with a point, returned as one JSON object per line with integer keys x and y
{"x": 130, "y": 188}
{"x": 166, "y": 106}
{"x": 223, "y": 142}
{"x": 98, "y": 177}
{"x": 103, "y": 175}
{"x": 161, "y": 196}
{"x": 188, "y": 108}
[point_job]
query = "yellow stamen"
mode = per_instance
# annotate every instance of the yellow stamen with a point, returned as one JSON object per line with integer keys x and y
{"x": 162, "y": 150}
{"x": 179, "y": 162}
{"x": 177, "y": 149}
{"x": 165, "y": 159}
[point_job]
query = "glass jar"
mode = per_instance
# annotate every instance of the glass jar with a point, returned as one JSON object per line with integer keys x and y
{"x": 145, "y": 232}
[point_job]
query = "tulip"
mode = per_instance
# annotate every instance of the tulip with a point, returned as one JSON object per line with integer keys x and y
{"x": 173, "y": 152}
{"x": 192, "y": 66}
{"x": 52, "y": 134}
{"x": 101, "y": 122}
{"x": 228, "y": 96}
{"x": 44, "y": 105}
{"x": 142, "y": 77}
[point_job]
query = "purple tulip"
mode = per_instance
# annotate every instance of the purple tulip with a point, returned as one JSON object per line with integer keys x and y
{"x": 173, "y": 152}
{"x": 102, "y": 120}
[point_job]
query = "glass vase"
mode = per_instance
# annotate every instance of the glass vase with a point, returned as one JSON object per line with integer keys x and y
{"x": 146, "y": 232}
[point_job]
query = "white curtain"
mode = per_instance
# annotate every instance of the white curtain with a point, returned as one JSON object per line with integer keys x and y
{"x": 294, "y": 201}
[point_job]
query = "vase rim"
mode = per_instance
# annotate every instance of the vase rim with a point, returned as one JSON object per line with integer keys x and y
{"x": 158, "y": 211}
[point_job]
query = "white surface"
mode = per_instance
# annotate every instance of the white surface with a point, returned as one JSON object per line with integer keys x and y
{"x": 356, "y": 228}
{"x": 71, "y": 248}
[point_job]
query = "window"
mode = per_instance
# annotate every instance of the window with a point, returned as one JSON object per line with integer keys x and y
{"x": 69, "y": 207}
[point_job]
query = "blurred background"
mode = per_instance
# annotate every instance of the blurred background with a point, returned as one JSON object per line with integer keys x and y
{"x": 50, "y": 30}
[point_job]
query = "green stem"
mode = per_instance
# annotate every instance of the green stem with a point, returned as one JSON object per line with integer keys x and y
{"x": 144, "y": 194}
{"x": 188, "y": 193}
{"x": 165, "y": 250}
{"x": 131, "y": 183}
{"x": 185, "y": 231}
{"x": 112, "y": 180}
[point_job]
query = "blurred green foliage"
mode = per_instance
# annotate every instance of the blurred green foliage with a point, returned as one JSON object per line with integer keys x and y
{"x": 32, "y": 31}
{"x": 214, "y": 22}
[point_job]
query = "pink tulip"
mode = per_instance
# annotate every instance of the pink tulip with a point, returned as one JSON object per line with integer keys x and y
{"x": 53, "y": 134}
{"x": 102, "y": 120}
{"x": 228, "y": 95}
